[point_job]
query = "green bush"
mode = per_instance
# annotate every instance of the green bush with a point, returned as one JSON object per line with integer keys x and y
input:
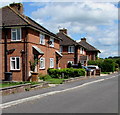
{"x": 66, "y": 73}
{"x": 44, "y": 77}
{"x": 118, "y": 62}
{"x": 106, "y": 65}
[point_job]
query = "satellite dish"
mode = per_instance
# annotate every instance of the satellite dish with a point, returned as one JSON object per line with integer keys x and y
{"x": 49, "y": 42}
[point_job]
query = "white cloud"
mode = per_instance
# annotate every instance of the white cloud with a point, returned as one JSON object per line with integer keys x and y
{"x": 95, "y": 19}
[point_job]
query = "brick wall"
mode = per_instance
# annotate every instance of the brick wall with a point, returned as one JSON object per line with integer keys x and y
{"x": 92, "y": 55}
{"x": 32, "y": 39}
{"x": 49, "y": 52}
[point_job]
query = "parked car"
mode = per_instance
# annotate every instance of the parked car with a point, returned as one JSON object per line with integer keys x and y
{"x": 93, "y": 67}
{"x": 87, "y": 69}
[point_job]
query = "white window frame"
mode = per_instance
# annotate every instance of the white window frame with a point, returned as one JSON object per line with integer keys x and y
{"x": 15, "y": 63}
{"x": 52, "y": 40}
{"x": 52, "y": 64}
{"x": 69, "y": 49}
{"x": 42, "y": 39}
{"x": 81, "y": 50}
{"x": 61, "y": 49}
{"x": 16, "y": 34}
{"x": 43, "y": 59}
{"x": 71, "y": 62}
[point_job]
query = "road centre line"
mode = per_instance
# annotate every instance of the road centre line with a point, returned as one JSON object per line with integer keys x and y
{"x": 9, "y": 104}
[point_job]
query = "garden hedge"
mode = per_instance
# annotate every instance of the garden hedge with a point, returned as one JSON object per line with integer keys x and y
{"x": 106, "y": 65}
{"x": 66, "y": 73}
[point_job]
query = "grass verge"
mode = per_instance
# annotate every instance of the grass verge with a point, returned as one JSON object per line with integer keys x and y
{"x": 55, "y": 81}
{"x": 105, "y": 72}
{"x": 8, "y": 84}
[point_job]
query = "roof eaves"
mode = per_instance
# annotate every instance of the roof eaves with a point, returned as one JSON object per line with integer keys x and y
{"x": 43, "y": 29}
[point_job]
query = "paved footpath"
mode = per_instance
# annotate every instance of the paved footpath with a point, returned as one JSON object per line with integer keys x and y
{"x": 17, "y": 96}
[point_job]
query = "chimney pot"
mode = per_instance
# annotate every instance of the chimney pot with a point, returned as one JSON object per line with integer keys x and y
{"x": 63, "y": 30}
{"x": 17, "y": 7}
{"x": 83, "y": 39}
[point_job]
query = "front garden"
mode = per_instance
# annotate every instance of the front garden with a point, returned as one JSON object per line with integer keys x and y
{"x": 57, "y": 76}
{"x": 8, "y": 84}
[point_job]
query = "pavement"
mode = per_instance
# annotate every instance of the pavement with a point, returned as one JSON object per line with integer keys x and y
{"x": 18, "y": 96}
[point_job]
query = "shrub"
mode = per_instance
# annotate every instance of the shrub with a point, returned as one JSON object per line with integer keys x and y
{"x": 79, "y": 65}
{"x": 66, "y": 73}
{"x": 44, "y": 77}
{"x": 106, "y": 65}
{"x": 118, "y": 62}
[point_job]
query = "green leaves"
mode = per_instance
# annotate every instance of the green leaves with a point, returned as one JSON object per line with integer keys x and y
{"x": 66, "y": 73}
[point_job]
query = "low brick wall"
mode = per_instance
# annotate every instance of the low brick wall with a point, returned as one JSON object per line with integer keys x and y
{"x": 21, "y": 88}
{"x": 78, "y": 78}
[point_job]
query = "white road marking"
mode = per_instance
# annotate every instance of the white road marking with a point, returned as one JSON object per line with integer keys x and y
{"x": 9, "y": 104}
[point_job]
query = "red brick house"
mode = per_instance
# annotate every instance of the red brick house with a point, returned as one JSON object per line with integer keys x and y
{"x": 23, "y": 40}
{"x": 75, "y": 52}
{"x": 91, "y": 51}
{"x": 71, "y": 50}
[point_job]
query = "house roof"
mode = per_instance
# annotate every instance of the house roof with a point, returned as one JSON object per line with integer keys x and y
{"x": 87, "y": 46}
{"x": 66, "y": 40}
{"x": 11, "y": 18}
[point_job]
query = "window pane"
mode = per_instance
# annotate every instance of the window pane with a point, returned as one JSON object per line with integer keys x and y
{"x": 12, "y": 64}
{"x": 42, "y": 39}
{"x": 42, "y": 63}
{"x": 13, "y": 35}
{"x": 17, "y": 63}
{"x": 51, "y": 62}
{"x": 13, "y": 30}
{"x": 52, "y": 40}
{"x": 18, "y": 34}
{"x": 13, "y": 58}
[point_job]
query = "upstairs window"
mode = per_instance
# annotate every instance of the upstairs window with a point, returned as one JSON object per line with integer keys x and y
{"x": 16, "y": 34}
{"x": 14, "y": 63}
{"x": 42, "y": 39}
{"x": 82, "y": 51}
{"x": 70, "y": 49}
{"x": 52, "y": 42}
{"x": 61, "y": 49}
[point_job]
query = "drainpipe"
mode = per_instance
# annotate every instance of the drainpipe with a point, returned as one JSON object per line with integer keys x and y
{"x": 26, "y": 54}
{"x": 5, "y": 48}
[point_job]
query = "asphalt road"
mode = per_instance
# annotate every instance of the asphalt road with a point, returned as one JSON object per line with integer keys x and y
{"x": 98, "y": 97}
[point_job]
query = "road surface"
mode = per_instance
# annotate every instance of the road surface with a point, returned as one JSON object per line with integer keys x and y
{"x": 94, "y": 97}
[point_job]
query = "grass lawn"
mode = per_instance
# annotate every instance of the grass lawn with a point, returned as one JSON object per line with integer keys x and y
{"x": 15, "y": 83}
{"x": 55, "y": 81}
{"x": 105, "y": 72}
{"x": 8, "y": 84}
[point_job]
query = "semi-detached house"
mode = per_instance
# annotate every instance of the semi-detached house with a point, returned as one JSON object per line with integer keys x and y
{"x": 23, "y": 40}
{"x": 75, "y": 52}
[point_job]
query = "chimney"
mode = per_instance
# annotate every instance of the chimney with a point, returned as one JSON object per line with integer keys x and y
{"x": 83, "y": 39}
{"x": 17, "y": 7}
{"x": 63, "y": 30}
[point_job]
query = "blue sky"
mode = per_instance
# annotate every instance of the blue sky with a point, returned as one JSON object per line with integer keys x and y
{"x": 96, "y": 21}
